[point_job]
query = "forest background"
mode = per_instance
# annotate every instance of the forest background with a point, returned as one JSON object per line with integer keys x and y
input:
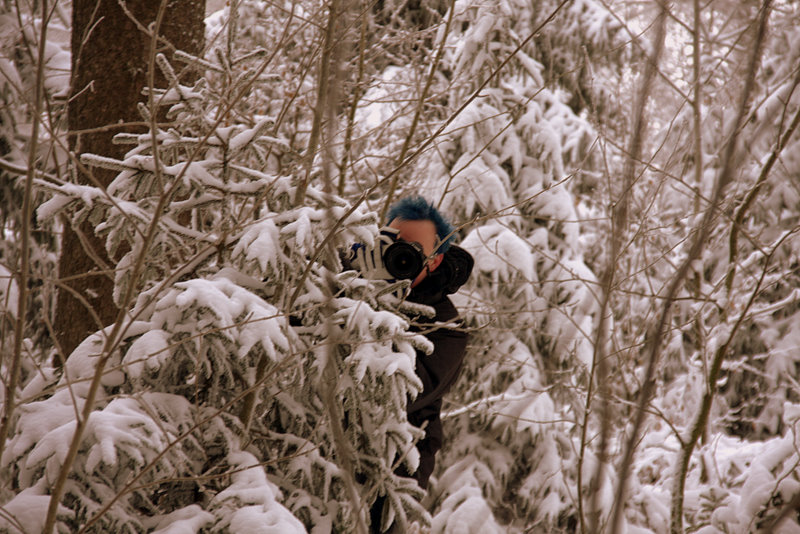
{"x": 181, "y": 351}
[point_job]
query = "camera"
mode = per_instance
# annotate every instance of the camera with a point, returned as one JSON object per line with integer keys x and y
{"x": 390, "y": 259}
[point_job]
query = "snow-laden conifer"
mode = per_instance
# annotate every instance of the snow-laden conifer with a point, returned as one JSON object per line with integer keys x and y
{"x": 503, "y": 168}
{"x": 218, "y": 392}
{"x": 253, "y": 384}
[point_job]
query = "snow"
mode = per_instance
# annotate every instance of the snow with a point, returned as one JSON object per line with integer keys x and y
{"x": 37, "y": 419}
{"x": 500, "y": 252}
{"x": 261, "y": 243}
{"x": 240, "y": 140}
{"x": 58, "y": 69}
{"x": 53, "y": 205}
{"x": 261, "y": 513}
{"x": 28, "y": 509}
{"x": 381, "y": 360}
{"x": 8, "y": 73}
{"x": 483, "y": 181}
{"x": 465, "y": 512}
{"x": 358, "y": 318}
{"x": 513, "y": 419}
{"x": 82, "y": 363}
{"x": 378, "y": 111}
{"x": 232, "y": 310}
{"x": 299, "y": 233}
{"x": 49, "y": 451}
{"x": 528, "y": 412}
{"x": 188, "y": 520}
{"x": 9, "y": 293}
{"x": 35, "y": 387}
{"x": 178, "y": 94}
{"x": 111, "y": 429}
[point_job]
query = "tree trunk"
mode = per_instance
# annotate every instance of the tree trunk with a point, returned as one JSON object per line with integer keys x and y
{"x": 110, "y": 57}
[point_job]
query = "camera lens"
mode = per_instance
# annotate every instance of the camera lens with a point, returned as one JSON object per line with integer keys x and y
{"x": 403, "y": 260}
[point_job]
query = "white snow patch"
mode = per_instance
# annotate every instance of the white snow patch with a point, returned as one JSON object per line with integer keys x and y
{"x": 28, "y": 509}
{"x": 150, "y": 351}
{"x": 188, "y": 520}
{"x": 255, "y": 497}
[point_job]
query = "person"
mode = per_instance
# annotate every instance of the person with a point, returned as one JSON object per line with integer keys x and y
{"x": 445, "y": 269}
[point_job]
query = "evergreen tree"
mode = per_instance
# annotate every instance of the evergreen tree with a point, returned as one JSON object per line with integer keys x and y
{"x": 251, "y": 382}
{"x": 252, "y": 385}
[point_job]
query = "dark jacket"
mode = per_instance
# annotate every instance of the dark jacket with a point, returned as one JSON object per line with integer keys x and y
{"x": 438, "y": 370}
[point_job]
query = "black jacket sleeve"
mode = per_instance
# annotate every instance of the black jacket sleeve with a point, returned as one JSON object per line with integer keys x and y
{"x": 438, "y": 371}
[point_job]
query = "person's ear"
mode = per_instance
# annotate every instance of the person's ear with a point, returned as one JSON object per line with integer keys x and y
{"x": 435, "y": 262}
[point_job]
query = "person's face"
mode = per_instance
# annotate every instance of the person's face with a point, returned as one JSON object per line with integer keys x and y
{"x": 424, "y": 233}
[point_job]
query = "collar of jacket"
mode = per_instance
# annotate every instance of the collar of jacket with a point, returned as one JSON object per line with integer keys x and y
{"x": 451, "y": 274}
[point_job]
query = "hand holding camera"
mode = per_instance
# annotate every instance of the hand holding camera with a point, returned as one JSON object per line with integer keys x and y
{"x": 390, "y": 259}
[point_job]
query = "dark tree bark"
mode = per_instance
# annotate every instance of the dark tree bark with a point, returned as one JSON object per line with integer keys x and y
{"x": 110, "y": 56}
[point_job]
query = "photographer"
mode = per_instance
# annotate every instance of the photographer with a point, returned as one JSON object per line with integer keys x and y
{"x": 438, "y": 268}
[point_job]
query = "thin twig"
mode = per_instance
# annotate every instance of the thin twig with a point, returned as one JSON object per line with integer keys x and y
{"x": 699, "y": 426}
{"x": 741, "y": 213}
{"x": 702, "y": 232}
{"x": 619, "y": 225}
{"x": 24, "y": 262}
{"x": 322, "y": 91}
{"x": 423, "y": 96}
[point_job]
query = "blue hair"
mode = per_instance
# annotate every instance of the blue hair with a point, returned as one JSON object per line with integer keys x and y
{"x": 416, "y": 208}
